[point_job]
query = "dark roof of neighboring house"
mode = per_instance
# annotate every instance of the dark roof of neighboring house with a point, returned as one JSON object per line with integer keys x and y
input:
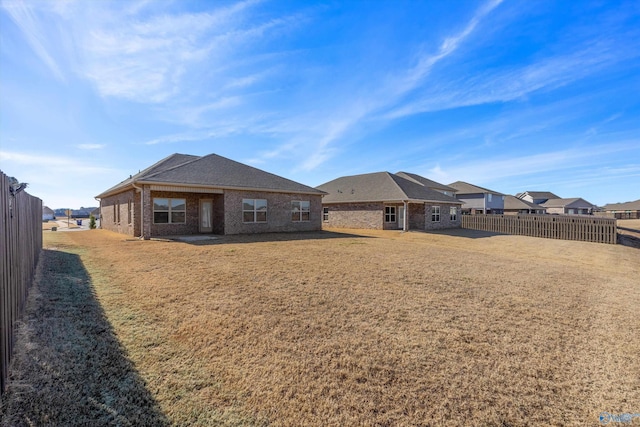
{"x": 426, "y": 182}
{"x": 538, "y": 195}
{"x": 210, "y": 171}
{"x": 513, "y": 203}
{"x": 574, "y": 202}
{"x": 627, "y": 206}
{"x": 462, "y": 187}
{"x": 379, "y": 187}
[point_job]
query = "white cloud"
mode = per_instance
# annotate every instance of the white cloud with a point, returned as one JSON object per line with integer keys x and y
{"x": 25, "y": 17}
{"x": 91, "y": 146}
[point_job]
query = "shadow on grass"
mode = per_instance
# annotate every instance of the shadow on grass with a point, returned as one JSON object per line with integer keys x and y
{"x": 465, "y": 232}
{"x": 69, "y": 367}
{"x": 268, "y": 237}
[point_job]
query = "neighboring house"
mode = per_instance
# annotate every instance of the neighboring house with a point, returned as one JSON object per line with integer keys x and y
{"x": 572, "y": 206}
{"x": 48, "y": 213}
{"x": 628, "y": 210}
{"x": 96, "y": 213}
{"x": 478, "y": 200}
{"x": 444, "y": 189}
{"x": 184, "y": 194}
{"x": 515, "y": 206}
{"x": 386, "y": 201}
{"x": 537, "y": 197}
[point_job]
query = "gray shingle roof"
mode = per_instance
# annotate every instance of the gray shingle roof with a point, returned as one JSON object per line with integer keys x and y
{"x": 426, "y": 182}
{"x": 466, "y": 188}
{"x": 214, "y": 171}
{"x": 538, "y": 195}
{"x": 379, "y": 187}
{"x": 573, "y": 202}
{"x": 513, "y": 203}
{"x": 627, "y": 206}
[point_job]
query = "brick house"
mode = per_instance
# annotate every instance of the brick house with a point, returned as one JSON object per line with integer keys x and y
{"x": 572, "y": 206}
{"x": 184, "y": 194}
{"x": 387, "y": 201}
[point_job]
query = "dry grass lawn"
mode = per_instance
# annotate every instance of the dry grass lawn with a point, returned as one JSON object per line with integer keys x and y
{"x": 368, "y": 328}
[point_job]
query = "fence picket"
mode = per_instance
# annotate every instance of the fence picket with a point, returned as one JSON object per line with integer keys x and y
{"x": 20, "y": 245}
{"x": 588, "y": 229}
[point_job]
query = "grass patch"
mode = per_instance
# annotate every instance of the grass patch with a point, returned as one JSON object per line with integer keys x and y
{"x": 384, "y": 329}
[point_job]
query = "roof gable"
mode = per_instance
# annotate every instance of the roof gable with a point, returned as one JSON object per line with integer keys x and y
{"x": 536, "y": 195}
{"x": 426, "y": 182}
{"x": 512, "y": 202}
{"x": 575, "y": 202}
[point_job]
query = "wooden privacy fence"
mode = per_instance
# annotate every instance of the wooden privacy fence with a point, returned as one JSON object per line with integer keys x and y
{"x": 20, "y": 245}
{"x": 566, "y": 227}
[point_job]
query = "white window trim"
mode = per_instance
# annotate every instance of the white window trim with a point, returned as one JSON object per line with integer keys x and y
{"x": 325, "y": 214}
{"x": 435, "y": 213}
{"x": 255, "y": 212}
{"x": 453, "y": 213}
{"x": 301, "y": 211}
{"x": 169, "y": 211}
{"x": 391, "y": 214}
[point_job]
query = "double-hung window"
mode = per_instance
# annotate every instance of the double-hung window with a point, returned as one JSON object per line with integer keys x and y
{"x": 300, "y": 210}
{"x": 389, "y": 214}
{"x": 435, "y": 213}
{"x": 325, "y": 214}
{"x": 254, "y": 210}
{"x": 453, "y": 213}
{"x": 169, "y": 211}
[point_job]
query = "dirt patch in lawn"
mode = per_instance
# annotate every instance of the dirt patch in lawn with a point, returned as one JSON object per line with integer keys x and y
{"x": 374, "y": 328}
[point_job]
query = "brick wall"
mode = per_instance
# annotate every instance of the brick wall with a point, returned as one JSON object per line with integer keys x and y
{"x": 118, "y": 212}
{"x": 356, "y": 215}
{"x": 278, "y": 212}
{"x": 445, "y": 217}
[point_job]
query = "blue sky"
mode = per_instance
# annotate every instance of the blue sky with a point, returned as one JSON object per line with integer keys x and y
{"x": 510, "y": 95}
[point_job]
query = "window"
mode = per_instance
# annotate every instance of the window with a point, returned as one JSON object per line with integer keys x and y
{"x": 435, "y": 213}
{"x": 300, "y": 211}
{"x": 254, "y": 210}
{"x": 129, "y": 213}
{"x": 389, "y": 214}
{"x": 453, "y": 213}
{"x": 489, "y": 197}
{"x": 118, "y": 212}
{"x": 325, "y": 214}
{"x": 169, "y": 211}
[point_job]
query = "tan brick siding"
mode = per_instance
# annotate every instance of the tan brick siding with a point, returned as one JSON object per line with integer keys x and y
{"x": 111, "y": 206}
{"x": 278, "y": 212}
{"x": 371, "y": 216}
{"x": 355, "y": 215}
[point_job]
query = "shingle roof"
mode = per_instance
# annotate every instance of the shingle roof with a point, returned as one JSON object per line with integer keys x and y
{"x": 466, "y": 188}
{"x": 538, "y": 195}
{"x": 211, "y": 170}
{"x": 627, "y": 206}
{"x": 513, "y": 203}
{"x": 379, "y": 187}
{"x": 571, "y": 202}
{"x": 426, "y": 182}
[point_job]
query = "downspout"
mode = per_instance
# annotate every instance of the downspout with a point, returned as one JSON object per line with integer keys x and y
{"x": 484, "y": 201}
{"x": 100, "y": 202}
{"x": 141, "y": 191}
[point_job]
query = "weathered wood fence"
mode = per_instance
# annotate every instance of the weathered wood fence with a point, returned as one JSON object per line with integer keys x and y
{"x": 20, "y": 245}
{"x": 566, "y": 227}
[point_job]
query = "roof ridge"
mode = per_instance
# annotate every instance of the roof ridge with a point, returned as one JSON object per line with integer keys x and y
{"x": 172, "y": 167}
{"x": 393, "y": 178}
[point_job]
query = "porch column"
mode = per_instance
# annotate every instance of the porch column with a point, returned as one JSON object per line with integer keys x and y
{"x": 405, "y": 226}
{"x": 147, "y": 212}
